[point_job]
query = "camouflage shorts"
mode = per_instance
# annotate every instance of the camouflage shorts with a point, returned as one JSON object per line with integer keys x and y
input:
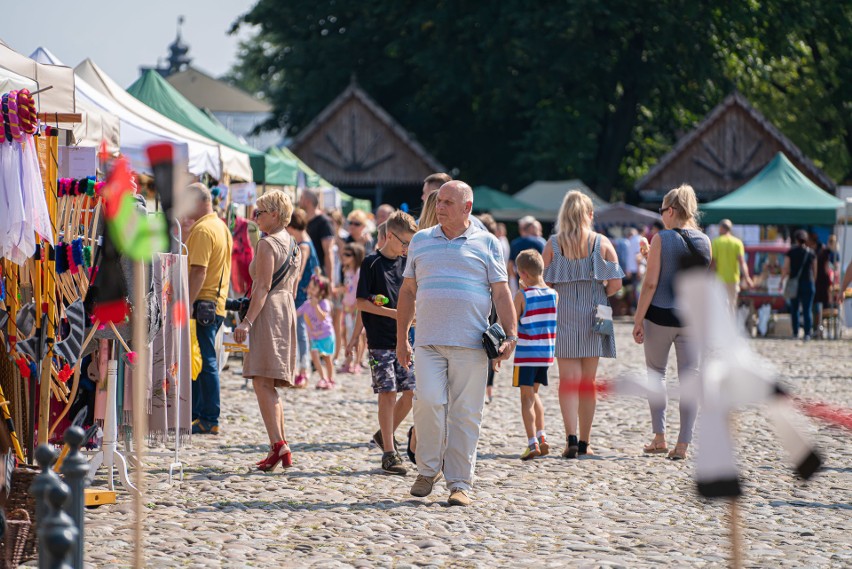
{"x": 388, "y": 374}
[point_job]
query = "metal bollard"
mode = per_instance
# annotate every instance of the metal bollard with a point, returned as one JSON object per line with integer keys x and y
{"x": 58, "y": 534}
{"x": 44, "y": 481}
{"x": 75, "y": 469}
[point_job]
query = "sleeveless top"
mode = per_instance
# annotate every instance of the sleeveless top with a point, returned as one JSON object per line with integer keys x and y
{"x": 311, "y": 263}
{"x": 674, "y": 251}
{"x": 537, "y": 328}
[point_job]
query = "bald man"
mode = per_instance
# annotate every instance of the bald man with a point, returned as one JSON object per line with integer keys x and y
{"x": 454, "y": 272}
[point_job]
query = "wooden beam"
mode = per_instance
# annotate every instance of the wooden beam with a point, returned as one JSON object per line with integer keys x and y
{"x": 53, "y": 118}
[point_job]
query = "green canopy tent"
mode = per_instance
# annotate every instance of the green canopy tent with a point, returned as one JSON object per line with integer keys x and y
{"x": 779, "y": 195}
{"x": 314, "y": 180}
{"x": 502, "y": 206}
{"x": 158, "y": 94}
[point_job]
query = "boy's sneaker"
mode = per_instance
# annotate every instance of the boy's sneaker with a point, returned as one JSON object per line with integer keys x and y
{"x": 531, "y": 452}
{"x": 380, "y": 441}
{"x": 392, "y": 464}
{"x": 543, "y": 446}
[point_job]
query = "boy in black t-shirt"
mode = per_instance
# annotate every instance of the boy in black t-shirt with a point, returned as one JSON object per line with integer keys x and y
{"x": 377, "y": 293}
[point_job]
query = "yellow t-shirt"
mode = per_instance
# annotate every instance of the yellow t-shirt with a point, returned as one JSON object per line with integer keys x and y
{"x": 727, "y": 250}
{"x": 210, "y": 244}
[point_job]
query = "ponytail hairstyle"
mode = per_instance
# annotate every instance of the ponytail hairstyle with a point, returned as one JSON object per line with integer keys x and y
{"x": 574, "y": 218}
{"x": 684, "y": 205}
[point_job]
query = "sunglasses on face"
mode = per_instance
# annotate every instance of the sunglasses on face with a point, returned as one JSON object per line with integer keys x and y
{"x": 347, "y": 254}
{"x": 356, "y": 223}
{"x": 257, "y": 213}
{"x": 664, "y": 209}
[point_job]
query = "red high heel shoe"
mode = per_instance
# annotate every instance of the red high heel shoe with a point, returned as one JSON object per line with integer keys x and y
{"x": 280, "y": 453}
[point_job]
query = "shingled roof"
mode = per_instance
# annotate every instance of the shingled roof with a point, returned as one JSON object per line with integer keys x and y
{"x": 748, "y": 162}
{"x": 354, "y": 141}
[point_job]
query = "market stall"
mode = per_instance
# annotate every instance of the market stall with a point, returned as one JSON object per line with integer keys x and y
{"x": 158, "y": 94}
{"x": 233, "y": 163}
{"x": 779, "y": 195}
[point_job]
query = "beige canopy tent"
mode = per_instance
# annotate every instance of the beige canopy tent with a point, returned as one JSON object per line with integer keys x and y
{"x": 60, "y": 97}
{"x": 97, "y": 124}
{"x": 10, "y": 80}
{"x": 233, "y": 163}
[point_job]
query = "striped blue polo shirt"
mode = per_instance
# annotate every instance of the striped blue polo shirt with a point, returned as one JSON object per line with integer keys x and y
{"x": 454, "y": 280}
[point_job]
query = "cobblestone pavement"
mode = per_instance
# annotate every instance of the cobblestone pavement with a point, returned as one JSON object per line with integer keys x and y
{"x": 335, "y": 508}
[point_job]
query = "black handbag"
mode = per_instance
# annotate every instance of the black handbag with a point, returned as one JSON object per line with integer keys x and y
{"x": 492, "y": 339}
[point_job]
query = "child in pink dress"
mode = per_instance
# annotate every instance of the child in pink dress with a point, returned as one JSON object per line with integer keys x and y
{"x": 317, "y": 313}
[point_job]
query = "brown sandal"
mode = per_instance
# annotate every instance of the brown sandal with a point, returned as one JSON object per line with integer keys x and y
{"x": 655, "y": 448}
{"x": 679, "y": 452}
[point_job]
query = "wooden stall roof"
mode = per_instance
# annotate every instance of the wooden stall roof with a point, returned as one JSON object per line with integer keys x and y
{"x": 355, "y": 142}
{"x": 732, "y": 144}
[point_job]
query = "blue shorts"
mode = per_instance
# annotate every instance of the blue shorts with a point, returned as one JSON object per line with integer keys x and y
{"x": 325, "y": 346}
{"x": 524, "y": 376}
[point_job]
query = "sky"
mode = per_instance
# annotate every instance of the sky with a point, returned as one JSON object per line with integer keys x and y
{"x": 121, "y": 35}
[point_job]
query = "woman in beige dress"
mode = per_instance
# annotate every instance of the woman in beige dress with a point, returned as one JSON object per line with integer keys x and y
{"x": 270, "y": 322}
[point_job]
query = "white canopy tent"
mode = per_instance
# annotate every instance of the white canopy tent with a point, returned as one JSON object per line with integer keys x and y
{"x": 10, "y": 80}
{"x": 58, "y": 99}
{"x": 137, "y": 132}
{"x": 97, "y": 125}
{"x": 233, "y": 162}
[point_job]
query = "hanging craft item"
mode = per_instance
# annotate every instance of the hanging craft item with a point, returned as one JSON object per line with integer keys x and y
{"x": 133, "y": 233}
{"x": 69, "y": 348}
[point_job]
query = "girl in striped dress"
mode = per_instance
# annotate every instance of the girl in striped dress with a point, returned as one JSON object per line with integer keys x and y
{"x": 583, "y": 268}
{"x": 535, "y": 304}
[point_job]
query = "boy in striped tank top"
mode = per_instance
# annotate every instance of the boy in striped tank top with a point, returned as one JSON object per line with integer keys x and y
{"x": 535, "y": 304}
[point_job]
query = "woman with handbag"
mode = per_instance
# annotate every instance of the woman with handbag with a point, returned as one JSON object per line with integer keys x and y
{"x": 270, "y": 323}
{"x": 800, "y": 269}
{"x": 582, "y": 267}
{"x": 656, "y": 323}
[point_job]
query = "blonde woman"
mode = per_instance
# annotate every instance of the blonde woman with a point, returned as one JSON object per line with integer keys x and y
{"x": 583, "y": 268}
{"x": 429, "y": 216}
{"x": 656, "y": 324}
{"x": 360, "y": 228}
{"x": 271, "y": 322}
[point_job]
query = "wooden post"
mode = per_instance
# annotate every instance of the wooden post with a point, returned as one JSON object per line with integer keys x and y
{"x": 48, "y": 291}
{"x": 140, "y": 414}
{"x": 736, "y": 534}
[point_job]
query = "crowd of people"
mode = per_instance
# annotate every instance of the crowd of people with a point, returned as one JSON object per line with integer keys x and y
{"x": 415, "y": 300}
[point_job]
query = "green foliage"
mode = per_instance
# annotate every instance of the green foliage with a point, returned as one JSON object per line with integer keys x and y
{"x": 513, "y": 91}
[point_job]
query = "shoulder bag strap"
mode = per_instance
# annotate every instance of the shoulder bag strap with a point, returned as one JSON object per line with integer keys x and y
{"x": 289, "y": 260}
{"x": 690, "y": 245}
{"x": 804, "y": 262}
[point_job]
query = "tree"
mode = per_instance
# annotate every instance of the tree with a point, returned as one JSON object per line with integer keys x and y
{"x": 509, "y": 92}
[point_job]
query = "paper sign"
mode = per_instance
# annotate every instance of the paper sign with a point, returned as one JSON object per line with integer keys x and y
{"x": 77, "y": 162}
{"x": 245, "y": 194}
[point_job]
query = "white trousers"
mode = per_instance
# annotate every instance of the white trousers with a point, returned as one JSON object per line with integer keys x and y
{"x": 448, "y": 400}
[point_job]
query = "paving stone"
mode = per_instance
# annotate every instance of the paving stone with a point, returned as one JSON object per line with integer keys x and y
{"x": 621, "y": 509}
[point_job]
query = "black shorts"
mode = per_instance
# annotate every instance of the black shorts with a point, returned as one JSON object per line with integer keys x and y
{"x": 524, "y": 376}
